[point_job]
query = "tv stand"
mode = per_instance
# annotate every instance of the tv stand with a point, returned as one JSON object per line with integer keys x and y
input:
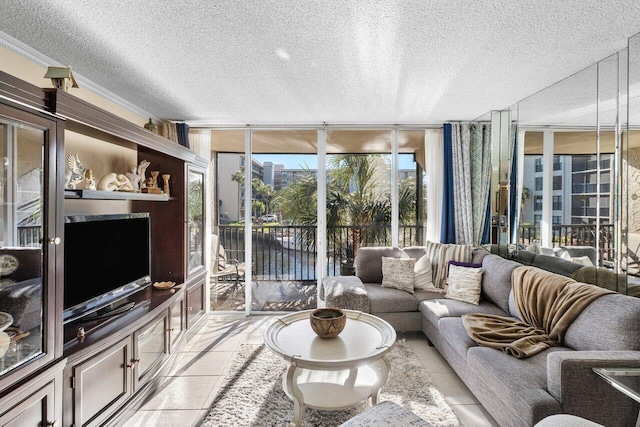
{"x": 110, "y": 312}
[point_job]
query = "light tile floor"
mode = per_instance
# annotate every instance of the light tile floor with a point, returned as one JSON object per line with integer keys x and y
{"x": 187, "y": 392}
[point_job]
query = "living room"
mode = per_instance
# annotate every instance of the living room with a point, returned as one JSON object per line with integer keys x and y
{"x": 534, "y": 106}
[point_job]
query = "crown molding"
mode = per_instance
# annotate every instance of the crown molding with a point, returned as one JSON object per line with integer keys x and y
{"x": 38, "y": 58}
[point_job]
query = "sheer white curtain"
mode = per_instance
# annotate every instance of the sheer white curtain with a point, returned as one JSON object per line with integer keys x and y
{"x": 434, "y": 165}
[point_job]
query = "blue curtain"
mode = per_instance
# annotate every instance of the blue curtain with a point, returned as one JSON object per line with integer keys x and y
{"x": 486, "y": 235}
{"x": 448, "y": 230}
{"x": 182, "y": 129}
{"x": 513, "y": 193}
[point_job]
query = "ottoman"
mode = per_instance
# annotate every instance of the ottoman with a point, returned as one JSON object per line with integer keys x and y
{"x": 344, "y": 292}
{"x": 386, "y": 414}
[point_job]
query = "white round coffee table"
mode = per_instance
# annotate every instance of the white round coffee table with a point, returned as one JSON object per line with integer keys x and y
{"x": 334, "y": 373}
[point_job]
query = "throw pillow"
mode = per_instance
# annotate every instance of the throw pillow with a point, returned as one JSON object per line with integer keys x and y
{"x": 464, "y": 284}
{"x": 423, "y": 278}
{"x": 448, "y": 253}
{"x": 398, "y": 273}
{"x": 582, "y": 260}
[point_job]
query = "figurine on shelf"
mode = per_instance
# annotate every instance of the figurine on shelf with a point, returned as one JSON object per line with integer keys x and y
{"x": 89, "y": 180}
{"x": 77, "y": 171}
{"x": 115, "y": 182}
{"x": 152, "y": 184}
{"x": 165, "y": 188}
{"x": 142, "y": 172}
{"x": 134, "y": 178}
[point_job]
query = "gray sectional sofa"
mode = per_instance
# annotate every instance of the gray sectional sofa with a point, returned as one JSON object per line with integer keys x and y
{"x": 518, "y": 392}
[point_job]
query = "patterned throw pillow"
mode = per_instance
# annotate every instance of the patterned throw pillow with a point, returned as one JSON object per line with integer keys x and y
{"x": 464, "y": 283}
{"x": 423, "y": 277}
{"x": 398, "y": 273}
{"x": 450, "y": 252}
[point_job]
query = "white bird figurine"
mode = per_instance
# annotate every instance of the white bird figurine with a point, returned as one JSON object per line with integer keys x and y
{"x": 77, "y": 171}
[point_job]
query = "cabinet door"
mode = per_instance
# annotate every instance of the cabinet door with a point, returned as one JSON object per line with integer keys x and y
{"x": 195, "y": 303}
{"x": 195, "y": 214}
{"x": 102, "y": 384}
{"x": 150, "y": 348}
{"x": 35, "y": 411}
{"x": 177, "y": 323}
{"x": 28, "y": 318}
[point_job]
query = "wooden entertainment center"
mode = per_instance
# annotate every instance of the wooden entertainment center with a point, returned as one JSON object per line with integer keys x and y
{"x": 91, "y": 372}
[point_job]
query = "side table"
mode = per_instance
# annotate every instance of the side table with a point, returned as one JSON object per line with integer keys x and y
{"x": 625, "y": 380}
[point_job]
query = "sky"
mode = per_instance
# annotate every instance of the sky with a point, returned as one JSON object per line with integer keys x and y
{"x": 303, "y": 161}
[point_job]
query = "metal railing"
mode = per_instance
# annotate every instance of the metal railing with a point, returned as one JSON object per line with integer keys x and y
{"x": 572, "y": 235}
{"x": 288, "y": 252}
{"x": 30, "y": 236}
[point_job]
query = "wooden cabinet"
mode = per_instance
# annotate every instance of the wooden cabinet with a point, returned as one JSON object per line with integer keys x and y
{"x": 30, "y": 246}
{"x": 196, "y": 302}
{"x": 177, "y": 323}
{"x": 101, "y": 384}
{"x": 115, "y": 361}
{"x": 36, "y": 403}
{"x": 151, "y": 346}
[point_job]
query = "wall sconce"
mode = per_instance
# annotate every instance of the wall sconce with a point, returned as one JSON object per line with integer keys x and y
{"x": 61, "y": 77}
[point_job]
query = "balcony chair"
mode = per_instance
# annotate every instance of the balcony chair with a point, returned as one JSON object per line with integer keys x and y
{"x": 226, "y": 270}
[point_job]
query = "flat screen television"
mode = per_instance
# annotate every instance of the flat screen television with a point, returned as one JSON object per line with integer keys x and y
{"x": 106, "y": 258}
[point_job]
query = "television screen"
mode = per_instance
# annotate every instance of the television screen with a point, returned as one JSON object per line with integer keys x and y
{"x": 106, "y": 257}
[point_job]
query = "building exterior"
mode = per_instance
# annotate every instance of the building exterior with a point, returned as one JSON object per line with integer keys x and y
{"x": 574, "y": 189}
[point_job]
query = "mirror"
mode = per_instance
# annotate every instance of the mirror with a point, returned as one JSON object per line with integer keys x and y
{"x": 629, "y": 158}
{"x": 571, "y": 159}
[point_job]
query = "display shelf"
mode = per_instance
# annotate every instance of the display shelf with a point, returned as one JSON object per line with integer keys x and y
{"x": 113, "y": 195}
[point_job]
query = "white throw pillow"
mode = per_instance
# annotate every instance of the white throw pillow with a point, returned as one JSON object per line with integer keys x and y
{"x": 398, "y": 273}
{"x": 583, "y": 260}
{"x": 423, "y": 277}
{"x": 464, "y": 284}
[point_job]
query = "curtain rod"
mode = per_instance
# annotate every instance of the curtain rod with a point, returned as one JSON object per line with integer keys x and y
{"x": 348, "y": 126}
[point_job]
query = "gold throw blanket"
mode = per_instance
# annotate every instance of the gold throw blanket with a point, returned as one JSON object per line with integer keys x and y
{"x": 547, "y": 304}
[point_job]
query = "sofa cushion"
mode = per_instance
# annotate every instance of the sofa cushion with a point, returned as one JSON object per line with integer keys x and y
{"x": 496, "y": 280}
{"x": 556, "y": 265}
{"x": 398, "y": 273}
{"x": 416, "y": 252}
{"x": 423, "y": 276}
{"x": 449, "y": 252}
{"x": 464, "y": 281}
{"x": 580, "y": 251}
{"x": 453, "y": 332}
{"x": 389, "y": 300}
{"x": 521, "y": 384}
{"x": 368, "y": 262}
{"x": 436, "y": 309}
{"x": 611, "y": 322}
{"x": 526, "y": 257}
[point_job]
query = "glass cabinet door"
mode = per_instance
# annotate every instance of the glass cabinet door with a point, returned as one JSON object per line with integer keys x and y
{"x": 195, "y": 220}
{"x": 25, "y": 300}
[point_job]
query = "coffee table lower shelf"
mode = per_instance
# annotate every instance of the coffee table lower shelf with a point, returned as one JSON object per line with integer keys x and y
{"x": 336, "y": 390}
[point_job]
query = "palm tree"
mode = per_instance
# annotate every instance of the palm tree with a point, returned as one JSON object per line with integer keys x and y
{"x": 358, "y": 202}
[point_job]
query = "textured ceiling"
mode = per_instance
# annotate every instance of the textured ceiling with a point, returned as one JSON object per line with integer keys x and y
{"x": 308, "y": 62}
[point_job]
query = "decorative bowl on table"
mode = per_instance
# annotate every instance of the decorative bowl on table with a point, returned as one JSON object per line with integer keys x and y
{"x": 327, "y": 322}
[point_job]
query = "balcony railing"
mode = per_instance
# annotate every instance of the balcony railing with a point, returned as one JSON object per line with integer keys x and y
{"x": 288, "y": 252}
{"x": 572, "y": 235}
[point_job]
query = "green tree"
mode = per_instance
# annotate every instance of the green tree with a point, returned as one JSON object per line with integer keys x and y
{"x": 358, "y": 196}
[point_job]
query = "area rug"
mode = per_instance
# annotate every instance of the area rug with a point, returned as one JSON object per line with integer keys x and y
{"x": 252, "y": 394}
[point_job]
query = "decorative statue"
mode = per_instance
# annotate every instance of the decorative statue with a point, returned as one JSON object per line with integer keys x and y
{"x": 77, "y": 171}
{"x": 134, "y": 178}
{"x": 114, "y": 182}
{"x": 89, "y": 180}
{"x": 165, "y": 188}
{"x": 142, "y": 172}
{"x": 154, "y": 179}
